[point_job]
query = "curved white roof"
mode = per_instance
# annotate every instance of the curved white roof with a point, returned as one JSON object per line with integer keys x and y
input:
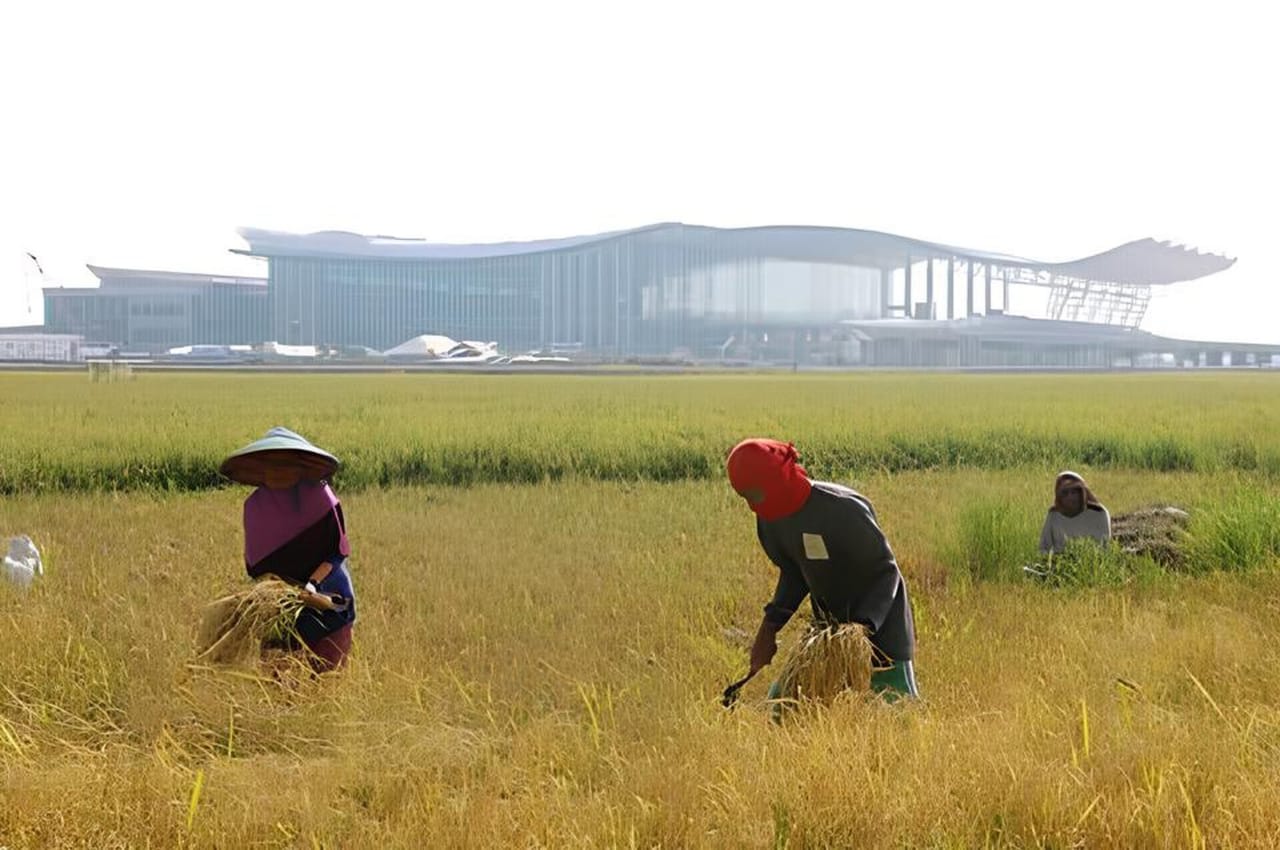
{"x": 1142, "y": 262}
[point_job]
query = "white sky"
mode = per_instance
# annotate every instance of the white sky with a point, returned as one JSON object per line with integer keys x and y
{"x": 141, "y": 134}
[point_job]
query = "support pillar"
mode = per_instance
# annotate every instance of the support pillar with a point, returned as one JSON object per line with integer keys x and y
{"x": 986, "y": 283}
{"x": 906, "y": 296}
{"x": 951, "y": 287}
{"x": 969, "y": 294}
{"x": 928, "y": 289}
{"x": 886, "y": 292}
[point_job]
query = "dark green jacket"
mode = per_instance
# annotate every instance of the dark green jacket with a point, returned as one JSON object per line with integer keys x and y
{"x": 833, "y": 551}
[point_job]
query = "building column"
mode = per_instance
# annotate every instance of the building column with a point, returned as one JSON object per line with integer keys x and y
{"x": 969, "y": 294}
{"x": 951, "y": 287}
{"x": 928, "y": 289}
{"x": 906, "y": 296}
{"x": 986, "y": 278}
{"x": 886, "y": 292}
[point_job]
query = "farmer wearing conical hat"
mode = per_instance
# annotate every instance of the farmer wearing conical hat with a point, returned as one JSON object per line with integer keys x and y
{"x": 294, "y": 529}
{"x": 827, "y": 545}
{"x": 1075, "y": 512}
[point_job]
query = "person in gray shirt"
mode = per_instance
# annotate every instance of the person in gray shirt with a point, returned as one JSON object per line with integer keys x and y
{"x": 827, "y": 545}
{"x": 1075, "y": 512}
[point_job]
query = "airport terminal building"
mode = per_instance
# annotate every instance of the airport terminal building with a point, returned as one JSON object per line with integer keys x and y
{"x": 652, "y": 290}
{"x": 811, "y": 296}
{"x": 784, "y": 293}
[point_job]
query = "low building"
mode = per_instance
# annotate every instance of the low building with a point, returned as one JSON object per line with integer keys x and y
{"x": 997, "y": 341}
{"x": 152, "y": 311}
{"x": 40, "y": 347}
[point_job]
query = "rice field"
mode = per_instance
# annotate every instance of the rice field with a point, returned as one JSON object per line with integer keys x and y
{"x": 167, "y": 432}
{"x": 540, "y": 653}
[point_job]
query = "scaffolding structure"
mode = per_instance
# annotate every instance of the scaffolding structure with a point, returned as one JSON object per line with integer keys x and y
{"x": 1077, "y": 299}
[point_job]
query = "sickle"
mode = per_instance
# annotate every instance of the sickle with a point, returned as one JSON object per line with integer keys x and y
{"x": 730, "y": 695}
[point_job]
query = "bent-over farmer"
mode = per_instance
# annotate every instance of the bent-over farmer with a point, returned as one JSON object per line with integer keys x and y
{"x": 294, "y": 528}
{"x": 827, "y": 545}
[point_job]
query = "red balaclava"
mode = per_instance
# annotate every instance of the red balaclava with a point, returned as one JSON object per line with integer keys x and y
{"x": 770, "y": 467}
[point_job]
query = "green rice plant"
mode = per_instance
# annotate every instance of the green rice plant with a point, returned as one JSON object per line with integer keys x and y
{"x": 996, "y": 538}
{"x": 168, "y": 432}
{"x": 1241, "y": 533}
{"x": 1166, "y": 453}
{"x": 1087, "y": 563}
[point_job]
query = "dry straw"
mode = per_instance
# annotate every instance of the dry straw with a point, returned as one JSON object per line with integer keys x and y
{"x": 237, "y": 628}
{"x": 827, "y": 661}
{"x": 1159, "y": 531}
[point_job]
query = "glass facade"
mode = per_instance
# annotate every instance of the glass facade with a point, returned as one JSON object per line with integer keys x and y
{"x": 152, "y": 311}
{"x": 664, "y": 290}
{"x": 648, "y": 292}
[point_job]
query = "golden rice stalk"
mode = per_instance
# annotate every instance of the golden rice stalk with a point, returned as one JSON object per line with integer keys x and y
{"x": 235, "y": 628}
{"x": 826, "y": 661}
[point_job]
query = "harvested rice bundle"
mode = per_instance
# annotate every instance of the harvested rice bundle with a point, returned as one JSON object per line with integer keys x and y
{"x": 827, "y": 661}
{"x": 236, "y": 628}
{"x": 1159, "y": 531}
